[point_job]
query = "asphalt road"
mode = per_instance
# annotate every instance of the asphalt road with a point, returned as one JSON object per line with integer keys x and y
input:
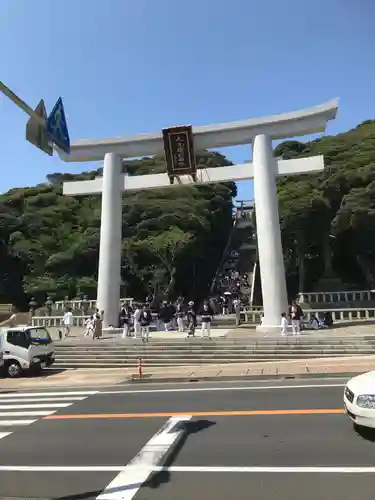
{"x": 271, "y": 440}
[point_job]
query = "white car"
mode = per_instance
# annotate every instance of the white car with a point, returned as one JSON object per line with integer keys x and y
{"x": 359, "y": 399}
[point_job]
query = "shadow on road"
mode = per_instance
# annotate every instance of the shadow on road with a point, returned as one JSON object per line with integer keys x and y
{"x": 47, "y": 372}
{"x": 190, "y": 427}
{"x": 157, "y": 478}
{"x": 365, "y": 433}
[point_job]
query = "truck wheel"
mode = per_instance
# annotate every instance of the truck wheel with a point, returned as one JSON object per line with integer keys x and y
{"x": 13, "y": 369}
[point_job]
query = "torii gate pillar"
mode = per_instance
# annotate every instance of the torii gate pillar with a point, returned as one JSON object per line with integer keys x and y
{"x": 271, "y": 258}
{"x": 109, "y": 270}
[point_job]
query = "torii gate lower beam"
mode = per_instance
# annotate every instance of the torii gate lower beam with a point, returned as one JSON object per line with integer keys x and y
{"x": 264, "y": 169}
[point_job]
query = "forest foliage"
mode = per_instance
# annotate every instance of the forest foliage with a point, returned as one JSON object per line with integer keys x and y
{"x": 173, "y": 238}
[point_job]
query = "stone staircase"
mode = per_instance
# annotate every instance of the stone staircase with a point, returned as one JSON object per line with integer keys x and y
{"x": 178, "y": 352}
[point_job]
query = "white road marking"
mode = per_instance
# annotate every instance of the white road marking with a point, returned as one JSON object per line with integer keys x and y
{"x": 329, "y": 470}
{"x": 149, "y": 469}
{"x": 32, "y": 394}
{"x": 4, "y": 434}
{"x": 20, "y": 407}
{"x": 41, "y": 400}
{"x": 126, "y": 484}
{"x": 213, "y": 389}
{"x": 26, "y": 413}
{"x": 7, "y": 423}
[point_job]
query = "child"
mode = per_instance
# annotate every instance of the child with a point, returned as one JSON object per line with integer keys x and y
{"x": 145, "y": 321}
{"x": 89, "y": 323}
{"x": 192, "y": 320}
{"x": 284, "y": 324}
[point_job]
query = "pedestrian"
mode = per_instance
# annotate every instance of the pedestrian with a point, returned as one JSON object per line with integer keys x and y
{"x": 295, "y": 314}
{"x": 180, "y": 313}
{"x": 68, "y": 321}
{"x": 89, "y": 323}
{"x": 284, "y": 324}
{"x": 98, "y": 326}
{"x": 145, "y": 321}
{"x": 136, "y": 323}
{"x": 125, "y": 320}
{"x": 165, "y": 315}
{"x": 225, "y": 305}
{"x": 191, "y": 320}
{"x": 237, "y": 310}
{"x": 207, "y": 316}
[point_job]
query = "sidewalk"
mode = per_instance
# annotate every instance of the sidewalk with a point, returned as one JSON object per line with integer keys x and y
{"x": 338, "y": 330}
{"x": 77, "y": 335}
{"x": 219, "y": 372}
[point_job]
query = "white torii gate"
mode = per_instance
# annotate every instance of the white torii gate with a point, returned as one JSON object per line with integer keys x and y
{"x": 264, "y": 169}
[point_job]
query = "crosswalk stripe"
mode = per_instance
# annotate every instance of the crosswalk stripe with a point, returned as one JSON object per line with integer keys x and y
{"x": 32, "y": 394}
{"x": 41, "y": 400}
{"x": 7, "y": 423}
{"x": 25, "y": 413}
{"x": 34, "y": 404}
{"x": 4, "y": 434}
{"x": 20, "y": 407}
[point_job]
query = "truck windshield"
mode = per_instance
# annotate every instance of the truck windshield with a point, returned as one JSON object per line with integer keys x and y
{"x": 39, "y": 336}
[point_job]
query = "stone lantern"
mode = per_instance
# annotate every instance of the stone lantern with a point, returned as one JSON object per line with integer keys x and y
{"x": 85, "y": 305}
{"x": 67, "y": 304}
{"x": 49, "y": 304}
{"x": 33, "y": 304}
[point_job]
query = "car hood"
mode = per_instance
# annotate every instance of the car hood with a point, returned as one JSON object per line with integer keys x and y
{"x": 363, "y": 384}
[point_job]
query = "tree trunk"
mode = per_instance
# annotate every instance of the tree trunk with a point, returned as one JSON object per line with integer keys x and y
{"x": 170, "y": 286}
{"x": 366, "y": 271}
{"x": 301, "y": 268}
{"x": 327, "y": 256}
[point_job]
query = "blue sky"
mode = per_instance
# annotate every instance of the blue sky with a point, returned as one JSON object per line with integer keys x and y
{"x": 130, "y": 66}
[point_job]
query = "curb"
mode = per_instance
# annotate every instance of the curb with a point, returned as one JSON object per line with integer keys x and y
{"x": 136, "y": 380}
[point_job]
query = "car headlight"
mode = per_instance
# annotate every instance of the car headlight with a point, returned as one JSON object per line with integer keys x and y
{"x": 366, "y": 401}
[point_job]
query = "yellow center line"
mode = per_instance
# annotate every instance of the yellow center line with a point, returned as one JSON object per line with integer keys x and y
{"x": 245, "y": 413}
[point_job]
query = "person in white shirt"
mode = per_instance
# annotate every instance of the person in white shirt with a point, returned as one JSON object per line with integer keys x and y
{"x": 68, "y": 321}
{"x": 137, "y": 324}
{"x": 237, "y": 310}
{"x": 89, "y": 323}
{"x": 284, "y": 324}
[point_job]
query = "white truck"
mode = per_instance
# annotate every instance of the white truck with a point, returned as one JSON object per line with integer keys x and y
{"x": 26, "y": 348}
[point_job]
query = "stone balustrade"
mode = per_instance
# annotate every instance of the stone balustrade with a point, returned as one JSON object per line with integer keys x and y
{"x": 332, "y": 297}
{"x": 338, "y": 315}
{"x": 250, "y": 316}
{"x": 78, "y": 304}
{"x": 57, "y": 321}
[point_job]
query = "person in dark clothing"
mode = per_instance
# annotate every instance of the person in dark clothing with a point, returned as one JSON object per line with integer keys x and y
{"x": 180, "y": 314}
{"x": 165, "y": 315}
{"x": 191, "y": 319}
{"x": 207, "y": 317}
{"x": 327, "y": 321}
{"x": 145, "y": 322}
{"x": 225, "y": 305}
{"x": 172, "y": 313}
{"x": 295, "y": 314}
{"x": 125, "y": 319}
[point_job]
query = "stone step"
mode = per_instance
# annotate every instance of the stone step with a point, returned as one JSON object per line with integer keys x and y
{"x": 224, "y": 355}
{"x": 193, "y": 360}
{"x": 200, "y": 349}
{"x": 227, "y": 353}
{"x": 216, "y": 343}
{"x": 161, "y": 363}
